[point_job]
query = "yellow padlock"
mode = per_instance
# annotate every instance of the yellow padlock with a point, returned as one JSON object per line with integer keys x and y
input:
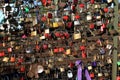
{"x": 55, "y": 24}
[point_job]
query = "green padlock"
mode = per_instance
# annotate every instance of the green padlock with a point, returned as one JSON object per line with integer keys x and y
{"x": 26, "y": 9}
{"x": 118, "y": 63}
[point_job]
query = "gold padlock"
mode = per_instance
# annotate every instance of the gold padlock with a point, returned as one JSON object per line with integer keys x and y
{"x": 55, "y": 24}
{"x": 77, "y": 36}
{"x": 5, "y": 59}
{"x": 33, "y": 33}
{"x": 68, "y": 51}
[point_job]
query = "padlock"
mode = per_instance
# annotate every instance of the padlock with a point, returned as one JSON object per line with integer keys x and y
{"x": 89, "y": 67}
{"x": 92, "y": 75}
{"x": 92, "y": 1}
{"x": 57, "y": 34}
{"x": 9, "y": 49}
{"x": 40, "y": 69}
{"x": 77, "y": 35}
{"x": 56, "y": 50}
{"x": 106, "y": 74}
{"x": 61, "y": 49}
{"x": 62, "y": 69}
{"x": 22, "y": 68}
{"x": 81, "y": 5}
{"x": 20, "y": 60}
{"x": 55, "y": 24}
{"x": 33, "y": 33}
{"x": 82, "y": 48}
{"x": 76, "y": 23}
{"x": 100, "y": 74}
{"x": 69, "y": 74}
{"x": 77, "y": 17}
{"x": 47, "y": 71}
{"x": 37, "y": 47}
{"x": 2, "y": 54}
{"x": 106, "y": 9}
{"x": 45, "y": 46}
{"x": 12, "y": 59}
{"x": 68, "y": 51}
{"x": 65, "y": 18}
{"x": 84, "y": 55}
{"x": 66, "y": 34}
{"x": 69, "y": 24}
{"x": 5, "y": 59}
{"x": 49, "y": 15}
{"x": 89, "y": 17}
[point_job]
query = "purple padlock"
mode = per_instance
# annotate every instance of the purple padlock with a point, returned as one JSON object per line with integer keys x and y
{"x": 94, "y": 63}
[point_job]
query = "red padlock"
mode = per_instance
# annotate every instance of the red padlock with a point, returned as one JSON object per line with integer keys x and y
{"x": 103, "y": 26}
{"x": 69, "y": 24}
{"x": 99, "y": 42}
{"x": 50, "y": 15}
{"x": 49, "y": 36}
{"x": 72, "y": 7}
{"x": 22, "y": 69}
{"x": 61, "y": 49}
{"x": 61, "y": 35}
{"x": 92, "y": 75}
{"x": 91, "y": 26}
{"x": 9, "y": 49}
{"x": 118, "y": 78}
{"x": 12, "y": 59}
{"x": 46, "y": 35}
{"x": 18, "y": 64}
{"x": 49, "y": 2}
{"x": 66, "y": 34}
{"x": 84, "y": 55}
{"x": 81, "y": 5}
{"x": 77, "y": 17}
{"x": 92, "y": 1}
{"x": 71, "y": 65}
{"x": 65, "y": 18}
{"x": 75, "y": 1}
{"x": 45, "y": 46}
{"x": 105, "y": 10}
{"x": 37, "y": 47}
{"x": 44, "y": 2}
{"x": 57, "y": 34}
{"x": 22, "y": 78}
{"x": 56, "y": 50}
{"x": 43, "y": 19}
{"x": 82, "y": 48}
{"x": 20, "y": 60}
{"x": 118, "y": 24}
{"x": 2, "y": 54}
